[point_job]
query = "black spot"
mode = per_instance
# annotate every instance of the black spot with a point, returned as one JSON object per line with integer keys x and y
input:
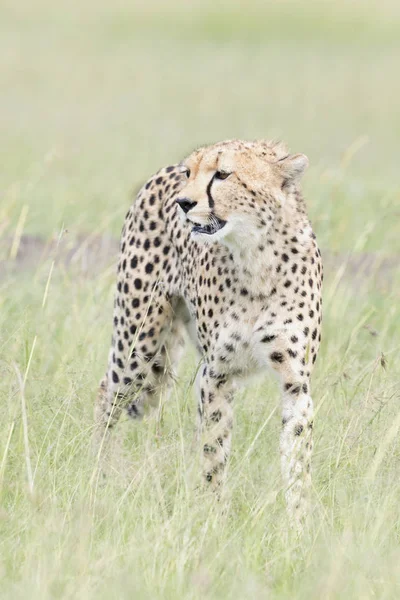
{"x": 216, "y": 416}
{"x": 277, "y": 357}
{"x": 115, "y": 377}
{"x": 268, "y": 338}
{"x": 149, "y": 268}
{"x": 133, "y": 411}
{"x": 298, "y": 430}
{"x": 293, "y": 388}
{"x": 138, "y": 283}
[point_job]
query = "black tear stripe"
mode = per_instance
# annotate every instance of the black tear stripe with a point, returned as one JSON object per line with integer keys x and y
{"x": 211, "y": 202}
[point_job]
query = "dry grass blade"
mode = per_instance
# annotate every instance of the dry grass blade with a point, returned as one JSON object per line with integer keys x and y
{"x": 22, "y": 382}
{"x": 5, "y": 453}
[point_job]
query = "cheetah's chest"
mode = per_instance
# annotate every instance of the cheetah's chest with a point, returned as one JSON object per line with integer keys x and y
{"x": 230, "y": 344}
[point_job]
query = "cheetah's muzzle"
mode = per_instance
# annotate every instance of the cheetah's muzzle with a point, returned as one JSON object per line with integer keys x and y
{"x": 211, "y": 228}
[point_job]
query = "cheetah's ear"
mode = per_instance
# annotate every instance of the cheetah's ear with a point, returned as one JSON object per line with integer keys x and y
{"x": 292, "y": 167}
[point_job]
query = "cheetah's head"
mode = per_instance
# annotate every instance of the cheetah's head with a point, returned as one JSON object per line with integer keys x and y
{"x": 234, "y": 189}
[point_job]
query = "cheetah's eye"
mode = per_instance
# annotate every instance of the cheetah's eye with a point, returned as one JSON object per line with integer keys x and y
{"x": 187, "y": 173}
{"x": 222, "y": 175}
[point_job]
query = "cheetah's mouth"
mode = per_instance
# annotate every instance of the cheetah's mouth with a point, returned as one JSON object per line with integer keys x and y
{"x": 215, "y": 225}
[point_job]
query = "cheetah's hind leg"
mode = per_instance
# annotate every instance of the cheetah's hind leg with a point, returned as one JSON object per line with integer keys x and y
{"x": 136, "y": 367}
{"x": 164, "y": 369}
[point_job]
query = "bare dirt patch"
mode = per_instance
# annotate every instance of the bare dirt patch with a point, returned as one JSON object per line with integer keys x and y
{"x": 87, "y": 254}
{"x": 373, "y": 268}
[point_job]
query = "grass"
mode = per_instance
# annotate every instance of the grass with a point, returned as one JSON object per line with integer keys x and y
{"x": 96, "y": 98}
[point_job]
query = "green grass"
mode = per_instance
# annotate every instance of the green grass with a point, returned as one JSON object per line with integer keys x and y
{"x": 95, "y": 97}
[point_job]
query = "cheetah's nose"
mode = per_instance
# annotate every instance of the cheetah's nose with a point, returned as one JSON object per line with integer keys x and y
{"x": 186, "y": 204}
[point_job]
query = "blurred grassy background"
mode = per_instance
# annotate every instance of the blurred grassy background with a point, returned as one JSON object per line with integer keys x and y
{"x": 97, "y": 96}
{"x": 94, "y": 97}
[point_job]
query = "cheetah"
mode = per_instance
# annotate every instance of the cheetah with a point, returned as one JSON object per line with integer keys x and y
{"x": 221, "y": 245}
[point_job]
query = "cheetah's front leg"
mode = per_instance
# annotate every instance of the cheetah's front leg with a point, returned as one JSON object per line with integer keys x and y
{"x": 296, "y": 450}
{"x": 216, "y": 421}
{"x": 293, "y": 370}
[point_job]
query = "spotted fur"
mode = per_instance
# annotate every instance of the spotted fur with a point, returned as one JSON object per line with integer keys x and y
{"x": 221, "y": 244}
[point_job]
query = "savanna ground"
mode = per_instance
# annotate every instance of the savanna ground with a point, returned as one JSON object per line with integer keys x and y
{"x": 96, "y": 96}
